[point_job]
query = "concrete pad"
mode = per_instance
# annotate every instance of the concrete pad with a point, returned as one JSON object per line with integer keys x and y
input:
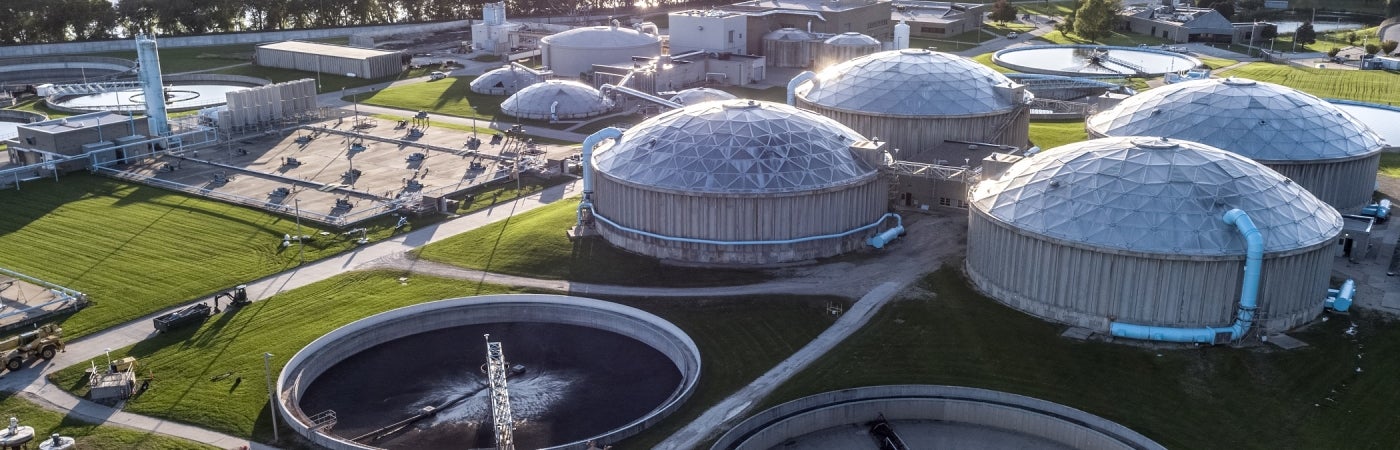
{"x": 1286, "y": 342}
{"x": 1077, "y": 333}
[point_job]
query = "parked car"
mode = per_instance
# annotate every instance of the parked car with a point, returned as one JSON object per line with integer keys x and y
{"x": 436, "y": 76}
{"x": 1012, "y": 35}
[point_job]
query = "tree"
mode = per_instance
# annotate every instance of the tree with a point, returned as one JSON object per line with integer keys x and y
{"x": 1224, "y": 7}
{"x": 1305, "y": 34}
{"x": 1372, "y": 49}
{"x": 1095, "y": 18}
{"x": 1269, "y": 31}
{"x": 1351, "y": 38}
{"x": 1333, "y": 52}
{"x": 1003, "y": 11}
{"x": 1389, "y": 46}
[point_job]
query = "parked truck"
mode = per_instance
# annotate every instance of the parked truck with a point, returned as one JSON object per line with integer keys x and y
{"x": 43, "y": 342}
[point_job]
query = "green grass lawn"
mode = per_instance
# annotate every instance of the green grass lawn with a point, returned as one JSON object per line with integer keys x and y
{"x": 1362, "y": 85}
{"x": 1215, "y": 63}
{"x": 1114, "y": 38}
{"x": 451, "y": 96}
{"x": 328, "y": 82}
{"x": 1056, "y": 8}
{"x": 739, "y": 338}
{"x": 37, "y": 105}
{"x": 1048, "y": 135}
{"x": 136, "y": 249}
{"x": 188, "y": 59}
{"x": 986, "y": 60}
{"x": 89, "y": 436}
{"x": 1182, "y": 397}
{"x": 534, "y": 244}
{"x": 954, "y": 43}
{"x": 1390, "y": 164}
{"x": 503, "y": 191}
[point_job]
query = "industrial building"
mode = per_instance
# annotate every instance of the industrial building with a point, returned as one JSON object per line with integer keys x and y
{"x": 57, "y": 139}
{"x": 819, "y": 17}
{"x": 1178, "y": 24}
{"x": 668, "y": 73}
{"x": 556, "y": 100}
{"x": 507, "y": 80}
{"x": 708, "y": 30}
{"x": 844, "y": 47}
{"x": 1138, "y": 233}
{"x": 739, "y": 182}
{"x": 341, "y": 60}
{"x": 575, "y": 51}
{"x": 1308, "y": 140}
{"x": 939, "y": 20}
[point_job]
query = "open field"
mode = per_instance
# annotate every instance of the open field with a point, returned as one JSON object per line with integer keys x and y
{"x": 1361, "y": 85}
{"x": 1264, "y": 397}
{"x": 451, "y": 96}
{"x": 1048, "y": 135}
{"x": 89, "y": 436}
{"x": 534, "y": 244}
{"x": 184, "y": 361}
{"x": 137, "y": 249}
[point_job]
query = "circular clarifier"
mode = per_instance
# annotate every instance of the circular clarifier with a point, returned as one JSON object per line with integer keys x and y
{"x": 178, "y": 98}
{"x": 1093, "y": 60}
{"x": 580, "y": 370}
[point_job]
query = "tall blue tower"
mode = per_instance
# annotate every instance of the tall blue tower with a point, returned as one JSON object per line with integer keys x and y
{"x": 151, "y": 85}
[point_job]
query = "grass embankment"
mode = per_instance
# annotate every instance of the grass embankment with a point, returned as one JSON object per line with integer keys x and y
{"x": 1113, "y": 38}
{"x": 1361, "y": 85}
{"x": 37, "y": 105}
{"x": 184, "y": 361}
{"x": 1390, "y": 164}
{"x": 189, "y": 59}
{"x": 986, "y": 60}
{"x": 89, "y": 436}
{"x": 451, "y": 96}
{"x": 534, "y": 244}
{"x": 137, "y": 249}
{"x": 1215, "y": 63}
{"x": 739, "y": 338}
{"x": 1048, "y": 135}
{"x": 1312, "y": 397}
{"x": 954, "y": 43}
{"x": 505, "y": 191}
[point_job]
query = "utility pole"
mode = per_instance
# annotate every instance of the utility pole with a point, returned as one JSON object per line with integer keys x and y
{"x": 301, "y": 249}
{"x": 271, "y": 395}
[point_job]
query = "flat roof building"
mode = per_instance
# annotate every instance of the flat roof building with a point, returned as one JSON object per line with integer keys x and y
{"x": 331, "y": 59}
{"x": 938, "y": 19}
{"x": 868, "y": 17}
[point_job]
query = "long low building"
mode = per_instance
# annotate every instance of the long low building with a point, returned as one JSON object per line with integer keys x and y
{"x": 330, "y": 59}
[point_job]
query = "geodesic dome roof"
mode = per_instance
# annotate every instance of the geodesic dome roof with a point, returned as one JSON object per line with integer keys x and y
{"x": 600, "y": 37}
{"x": 911, "y": 82}
{"x": 509, "y": 78}
{"x": 736, "y": 147}
{"x": 1154, "y": 195}
{"x": 1262, "y": 121}
{"x": 852, "y": 39}
{"x": 788, "y": 34}
{"x": 575, "y": 100}
{"x": 700, "y": 95}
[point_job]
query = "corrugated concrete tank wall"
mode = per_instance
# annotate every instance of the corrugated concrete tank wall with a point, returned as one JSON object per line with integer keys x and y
{"x": 736, "y": 171}
{"x": 915, "y": 99}
{"x": 983, "y": 412}
{"x": 1308, "y": 140}
{"x": 1129, "y": 229}
{"x": 788, "y": 47}
{"x": 845, "y": 47}
{"x": 576, "y": 51}
{"x": 330, "y": 59}
{"x": 327, "y": 351}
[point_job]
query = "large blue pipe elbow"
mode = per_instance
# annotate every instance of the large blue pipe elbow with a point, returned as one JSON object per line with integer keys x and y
{"x": 586, "y": 159}
{"x": 796, "y": 81}
{"x": 1340, "y": 300}
{"x": 879, "y": 240}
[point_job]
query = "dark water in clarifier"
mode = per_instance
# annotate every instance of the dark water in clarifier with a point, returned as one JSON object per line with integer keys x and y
{"x": 579, "y": 382}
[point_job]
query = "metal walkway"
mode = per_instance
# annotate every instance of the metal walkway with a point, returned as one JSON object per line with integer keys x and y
{"x": 94, "y": 88}
{"x": 500, "y": 396}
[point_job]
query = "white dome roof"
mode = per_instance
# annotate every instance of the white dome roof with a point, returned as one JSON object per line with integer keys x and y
{"x": 509, "y": 78}
{"x": 852, "y": 39}
{"x": 600, "y": 37}
{"x": 575, "y": 100}
{"x": 1262, "y": 121}
{"x": 1154, "y": 195}
{"x": 736, "y": 147}
{"x": 911, "y": 82}
{"x": 788, "y": 34}
{"x": 700, "y": 95}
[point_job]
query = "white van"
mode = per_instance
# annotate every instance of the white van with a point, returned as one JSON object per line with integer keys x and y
{"x": 436, "y": 76}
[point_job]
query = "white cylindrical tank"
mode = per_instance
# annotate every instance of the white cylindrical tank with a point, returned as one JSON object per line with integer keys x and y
{"x": 788, "y": 47}
{"x": 901, "y": 35}
{"x": 1130, "y": 229}
{"x": 575, "y": 51}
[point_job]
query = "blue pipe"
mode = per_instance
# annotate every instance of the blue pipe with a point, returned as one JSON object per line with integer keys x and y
{"x": 1379, "y": 210}
{"x": 792, "y": 85}
{"x": 1340, "y": 299}
{"x": 1249, "y": 296}
{"x": 879, "y": 240}
{"x": 586, "y": 159}
{"x": 877, "y": 223}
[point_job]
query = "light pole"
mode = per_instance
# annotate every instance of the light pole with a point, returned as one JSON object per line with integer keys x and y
{"x": 271, "y": 398}
{"x": 301, "y": 249}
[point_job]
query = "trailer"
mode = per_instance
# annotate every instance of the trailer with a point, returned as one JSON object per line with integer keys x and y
{"x": 191, "y": 315}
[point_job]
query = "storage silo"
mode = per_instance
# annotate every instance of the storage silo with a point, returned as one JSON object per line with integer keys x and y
{"x": 915, "y": 99}
{"x": 738, "y": 182}
{"x": 575, "y": 51}
{"x": 505, "y": 80}
{"x": 1147, "y": 238}
{"x": 694, "y": 96}
{"x": 1320, "y": 147}
{"x": 788, "y": 47}
{"x": 845, "y": 47}
{"x": 556, "y": 100}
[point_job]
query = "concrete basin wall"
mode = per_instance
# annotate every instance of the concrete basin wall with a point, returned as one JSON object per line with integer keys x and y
{"x": 1050, "y": 421}
{"x": 336, "y": 346}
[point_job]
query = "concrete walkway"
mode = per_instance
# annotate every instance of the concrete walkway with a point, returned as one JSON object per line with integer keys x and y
{"x": 721, "y": 416}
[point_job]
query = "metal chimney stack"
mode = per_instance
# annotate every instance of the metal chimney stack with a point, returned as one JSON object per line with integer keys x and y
{"x": 151, "y": 85}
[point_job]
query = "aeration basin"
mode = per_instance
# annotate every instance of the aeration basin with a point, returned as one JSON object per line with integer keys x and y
{"x": 581, "y": 370}
{"x": 1074, "y": 60}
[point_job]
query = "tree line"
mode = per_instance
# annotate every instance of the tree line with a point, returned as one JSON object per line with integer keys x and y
{"x": 39, "y": 21}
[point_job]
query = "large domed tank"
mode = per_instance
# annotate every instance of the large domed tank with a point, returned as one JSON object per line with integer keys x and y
{"x": 504, "y": 81}
{"x": 699, "y": 95}
{"x": 788, "y": 47}
{"x": 844, "y": 47}
{"x": 556, "y": 100}
{"x": 1130, "y": 229}
{"x": 1320, "y": 147}
{"x": 916, "y": 99}
{"x": 576, "y": 51}
{"x": 739, "y": 182}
